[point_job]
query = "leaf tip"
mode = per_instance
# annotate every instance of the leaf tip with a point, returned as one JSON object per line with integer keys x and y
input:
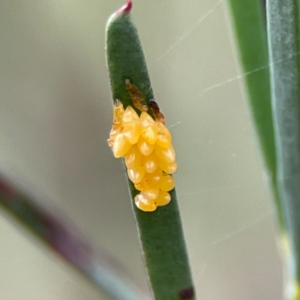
{"x": 121, "y": 14}
{"x": 125, "y": 8}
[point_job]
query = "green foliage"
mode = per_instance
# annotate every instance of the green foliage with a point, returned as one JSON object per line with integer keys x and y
{"x": 283, "y": 30}
{"x": 52, "y": 228}
{"x": 253, "y": 50}
{"x": 160, "y": 231}
{"x": 274, "y": 95}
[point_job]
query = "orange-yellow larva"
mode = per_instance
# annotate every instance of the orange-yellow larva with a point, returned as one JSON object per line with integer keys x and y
{"x": 146, "y": 145}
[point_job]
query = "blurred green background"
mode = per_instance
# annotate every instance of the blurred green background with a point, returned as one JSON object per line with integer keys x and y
{"x": 55, "y": 116}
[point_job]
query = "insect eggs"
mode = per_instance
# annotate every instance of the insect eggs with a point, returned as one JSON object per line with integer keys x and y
{"x": 149, "y": 156}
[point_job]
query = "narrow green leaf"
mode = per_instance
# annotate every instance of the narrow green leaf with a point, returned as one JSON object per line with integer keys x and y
{"x": 250, "y": 31}
{"x": 54, "y": 231}
{"x": 160, "y": 231}
{"x": 283, "y": 30}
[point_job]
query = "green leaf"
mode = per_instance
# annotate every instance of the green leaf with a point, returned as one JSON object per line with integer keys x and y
{"x": 54, "y": 230}
{"x": 160, "y": 231}
{"x": 275, "y": 108}
{"x": 283, "y": 30}
{"x": 250, "y": 31}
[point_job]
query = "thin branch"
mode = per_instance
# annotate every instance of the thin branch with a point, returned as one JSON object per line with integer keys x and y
{"x": 55, "y": 231}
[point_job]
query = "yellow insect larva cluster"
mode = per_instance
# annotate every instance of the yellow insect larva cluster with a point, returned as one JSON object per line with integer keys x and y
{"x": 148, "y": 152}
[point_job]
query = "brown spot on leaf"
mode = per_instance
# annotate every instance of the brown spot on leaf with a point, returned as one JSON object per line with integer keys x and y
{"x": 136, "y": 96}
{"x": 187, "y": 293}
{"x": 156, "y": 112}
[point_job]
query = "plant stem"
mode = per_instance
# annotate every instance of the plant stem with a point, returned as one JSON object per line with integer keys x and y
{"x": 283, "y": 30}
{"x": 52, "y": 228}
{"x": 160, "y": 231}
{"x": 253, "y": 52}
